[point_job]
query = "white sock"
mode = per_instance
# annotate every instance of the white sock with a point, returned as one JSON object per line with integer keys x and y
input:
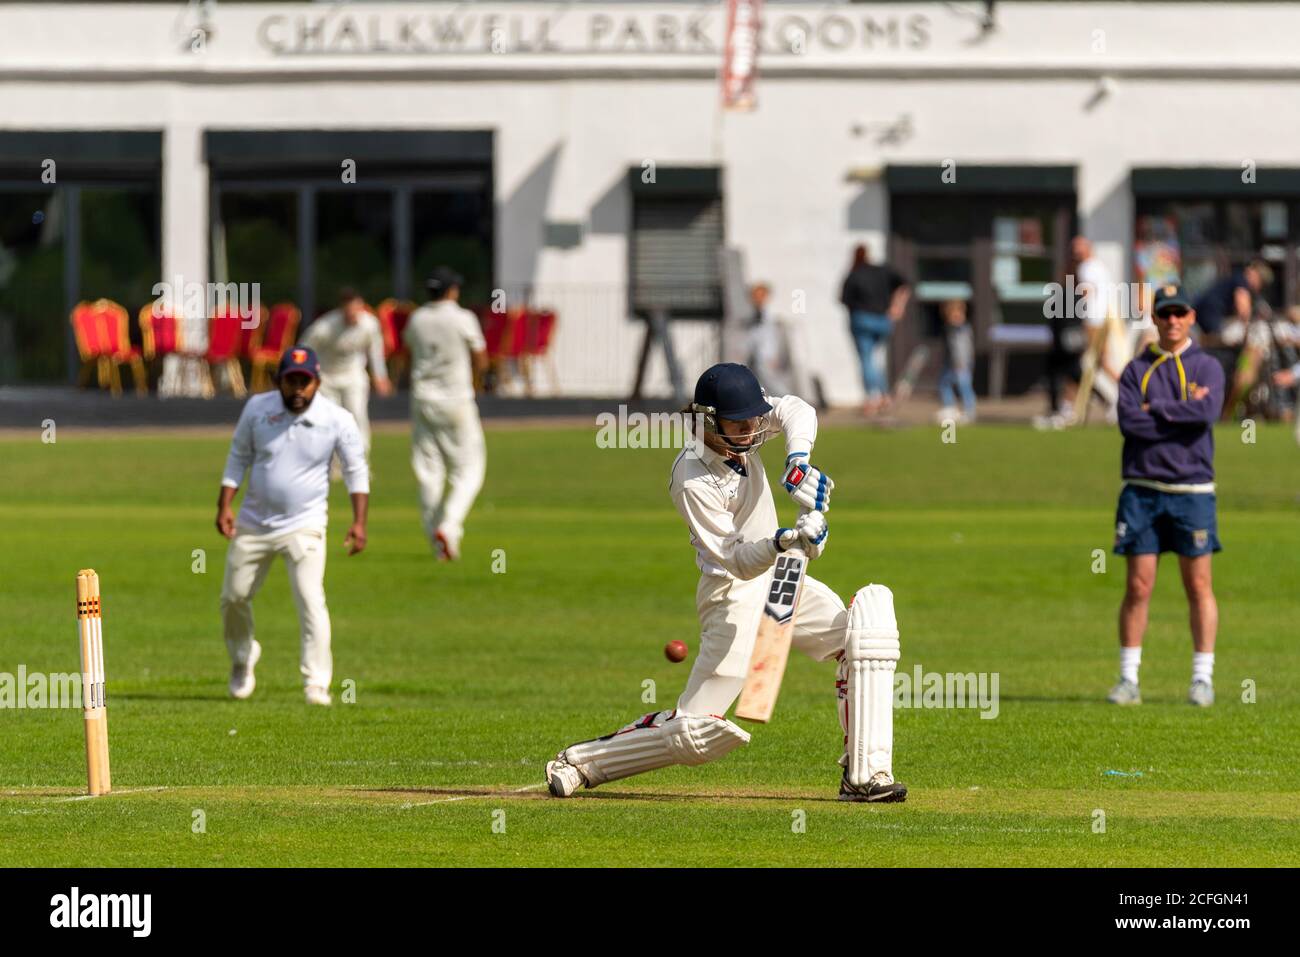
{"x": 1203, "y": 666}
{"x": 1129, "y": 659}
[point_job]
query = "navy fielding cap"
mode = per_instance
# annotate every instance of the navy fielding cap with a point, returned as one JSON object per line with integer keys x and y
{"x": 300, "y": 359}
{"x": 442, "y": 279}
{"x": 731, "y": 391}
{"x": 1170, "y": 295}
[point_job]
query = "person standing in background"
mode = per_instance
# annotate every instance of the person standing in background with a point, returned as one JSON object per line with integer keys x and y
{"x": 876, "y": 298}
{"x": 1063, "y": 364}
{"x": 447, "y": 447}
{"x": 1107, "y": 343}
{"x": 767, "y": 347}
{"x": 959, "y": 361}
{"x": 345, "y": 339}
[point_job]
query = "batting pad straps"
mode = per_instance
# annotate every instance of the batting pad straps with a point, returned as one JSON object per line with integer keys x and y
{"x": 653, "y": 741}
{"x": 871, "y": 653}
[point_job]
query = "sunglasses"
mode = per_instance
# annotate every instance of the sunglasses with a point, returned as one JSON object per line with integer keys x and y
{"x": 1175, "y": 313}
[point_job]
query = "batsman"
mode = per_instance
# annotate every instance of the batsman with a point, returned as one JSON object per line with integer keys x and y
{"x": 721, "y": 490}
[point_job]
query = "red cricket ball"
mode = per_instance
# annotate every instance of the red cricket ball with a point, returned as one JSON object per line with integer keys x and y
{"x": 676, "y": 651}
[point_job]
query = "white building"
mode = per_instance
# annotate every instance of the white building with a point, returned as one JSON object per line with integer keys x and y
{"x": 515, "y": 140}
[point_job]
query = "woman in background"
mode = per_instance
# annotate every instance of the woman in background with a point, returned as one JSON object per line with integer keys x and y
{"x": 875, "y": 297}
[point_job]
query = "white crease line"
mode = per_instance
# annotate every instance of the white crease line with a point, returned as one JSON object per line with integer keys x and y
{"x": 469, "y": 797}
{"x": 88, "y": 797}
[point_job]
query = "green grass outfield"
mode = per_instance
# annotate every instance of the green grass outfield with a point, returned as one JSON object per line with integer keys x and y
{"x": 468, "y": 681}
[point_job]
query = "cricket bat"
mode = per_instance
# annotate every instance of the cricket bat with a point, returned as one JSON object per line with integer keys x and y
{"x": 775, "y": 631}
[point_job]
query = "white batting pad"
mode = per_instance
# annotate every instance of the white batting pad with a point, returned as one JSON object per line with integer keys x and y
{"x": 871, "y": 654}
{"x": 655, "y": 740}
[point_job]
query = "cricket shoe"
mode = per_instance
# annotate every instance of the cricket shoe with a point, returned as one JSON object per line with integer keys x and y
{"x": 1126, "y": 692}
{"x": 447, "y": 546}
{"x": 562, "y": 777}
{"x": 1201, "y": 694}
{"x": 315, "y": 694}
{"x": 881, "y": 789}
{"x": 242, "y": 679}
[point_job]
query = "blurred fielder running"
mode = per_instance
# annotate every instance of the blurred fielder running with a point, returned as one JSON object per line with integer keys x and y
{"x": 719, "y": 487}
{"x": 345, "y": 339}
{"x": 447, "y": 447}
{"x": 1169, "y": 400}
{"x": 285, "y": 441}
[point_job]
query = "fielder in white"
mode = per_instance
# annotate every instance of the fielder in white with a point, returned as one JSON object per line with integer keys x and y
{"x": 721, "y": 491}
{"x": 448, "y": 453}
{"x": 285, "y": 441}
{"x": 346, "y": 339}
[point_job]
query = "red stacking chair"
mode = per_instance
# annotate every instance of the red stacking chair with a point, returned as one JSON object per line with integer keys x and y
{"x": 503, "y": 333}
{"x": 393, "y": 315}
{"x": 280, "y": 334}
{"x": 92, "y": 343}
{"x": 496, "y": 329}
{"x": 226, "y": 339}
{"x": 160, "y": 332}
{"x": 539, "y": 329}
{"x": 103, "y": 337}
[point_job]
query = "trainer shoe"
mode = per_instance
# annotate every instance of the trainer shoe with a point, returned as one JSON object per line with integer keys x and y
{"x": 315, "y": 694}
{"x": 1201, "y": 694}
{"x": 1126, "y": 692}
{"x": 242, "y": 679}
{"x": 562, "y": 777}
{"x": 881, "y": 789}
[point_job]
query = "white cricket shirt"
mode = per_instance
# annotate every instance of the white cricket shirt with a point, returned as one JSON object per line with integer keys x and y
{"x": 1092, "y": 280}
{"x": 730, "y": 513}
{"x": 441, "y": 336}
{"x": 343, "y": 350}
{"x": 287, "y": 458}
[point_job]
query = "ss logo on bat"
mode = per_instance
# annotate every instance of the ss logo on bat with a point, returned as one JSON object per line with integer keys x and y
{"x": 785, "y": 580}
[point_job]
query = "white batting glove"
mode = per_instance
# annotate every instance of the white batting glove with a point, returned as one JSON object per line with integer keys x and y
{"x": 810, "y": 533}
{"x": 808, "y": 485}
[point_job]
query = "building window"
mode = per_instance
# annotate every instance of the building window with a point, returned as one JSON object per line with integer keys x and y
{"x": 1198, "y": 224}
{"x": 453, "y": 227}
{"x": 93, "y": 234}
{"x": 1197, "y": 242}
{"x": 994, "y": 239}
{"x": 255, "y": 239}
{"x": 354, "y": 245}
{"x": 284, "y": 218}
{"x": 32, "y": 319}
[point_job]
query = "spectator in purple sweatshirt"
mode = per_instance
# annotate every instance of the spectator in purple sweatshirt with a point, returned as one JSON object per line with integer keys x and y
{"x": 1169, "y": 400}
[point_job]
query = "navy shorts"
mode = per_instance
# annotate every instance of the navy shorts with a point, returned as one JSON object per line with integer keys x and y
{"x": 1149, "y": 521}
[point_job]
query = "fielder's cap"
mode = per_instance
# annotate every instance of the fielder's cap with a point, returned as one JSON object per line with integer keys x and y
{"x": 300, "y": 359}
{"x": 732, "y": 391}
{"x": 442, "y": 279}
{"x": 1170, "y": 295}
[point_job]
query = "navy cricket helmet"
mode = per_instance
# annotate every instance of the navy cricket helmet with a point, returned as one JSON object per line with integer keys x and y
{"x": 729, "y": 390}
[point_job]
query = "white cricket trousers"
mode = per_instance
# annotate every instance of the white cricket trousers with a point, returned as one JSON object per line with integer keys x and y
{"x": 248, "y": 559}
{"x": 447, "y": 448}
{"x": 730, "y": 610}
{"x": 353, "y": 393}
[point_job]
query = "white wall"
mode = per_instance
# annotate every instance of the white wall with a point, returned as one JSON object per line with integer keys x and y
{"x": 1193, "y": 84}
